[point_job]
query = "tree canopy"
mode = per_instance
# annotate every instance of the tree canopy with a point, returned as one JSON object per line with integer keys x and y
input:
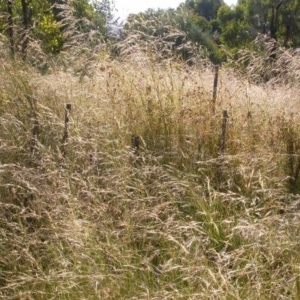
{"x": 210, "y": 24}
{"x": 46, "y": 20}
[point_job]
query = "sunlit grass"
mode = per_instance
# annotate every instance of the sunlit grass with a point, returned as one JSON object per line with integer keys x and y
{"x": 177, "y": 219}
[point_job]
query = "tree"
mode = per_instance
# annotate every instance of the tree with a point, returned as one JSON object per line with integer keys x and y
{"x": 46, "y": 21}
{"x": 206, "y": 8}
{"x": 277, "y": 18}
{"x": 182, "y": 27}
{"x": 104, "y": 7}
{"x": 289, "y": 22}
{"x": 235, "y": 32}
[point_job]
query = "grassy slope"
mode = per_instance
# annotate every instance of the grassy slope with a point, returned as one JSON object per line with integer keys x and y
{"x": 177, "y": 222}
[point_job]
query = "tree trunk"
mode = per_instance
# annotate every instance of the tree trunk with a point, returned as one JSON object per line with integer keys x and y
{"x": 274, "y": 28}
{"x": 274, "y": 20}
{"x": 11, "y": 27}
{"x": 26, "y": 28}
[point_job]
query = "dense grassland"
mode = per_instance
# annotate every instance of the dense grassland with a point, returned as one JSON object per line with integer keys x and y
{"x": 205, "y": 208}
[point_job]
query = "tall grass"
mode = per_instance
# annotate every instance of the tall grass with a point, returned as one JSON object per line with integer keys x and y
{"x": 180, "y": 219}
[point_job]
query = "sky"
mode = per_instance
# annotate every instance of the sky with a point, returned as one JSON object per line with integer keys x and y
{"x": 125, "y": 7}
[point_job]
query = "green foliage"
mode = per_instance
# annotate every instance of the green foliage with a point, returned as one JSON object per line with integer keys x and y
{"x": 234, "y": 31}
{"x": 207, "y": 23}
{"x": 203, "y": 26}
{"x": 258, "y": 15}
{"x": 104, "y": 7}
{"x": 48, "y": 30}
{"x": 180, "y": 26}
{"x": 237, "y": 27}
{"x": 206, "y": 8}
{"x": 84, "y": 11}
{"x": 192, "y": 24}
{"x": 48, "y": 20}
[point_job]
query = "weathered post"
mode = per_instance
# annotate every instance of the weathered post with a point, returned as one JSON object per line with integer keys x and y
{"x": 135, "y": 145}
{"x": 35, "y": 125}
{"x": 222, "y": 146}
{"x": 66, "y": 129}
{"x": 215, "y": 88}
{"x": 223, "y": 133}
{"x": 200, "y": 151}
{"x": 293, "y": 162}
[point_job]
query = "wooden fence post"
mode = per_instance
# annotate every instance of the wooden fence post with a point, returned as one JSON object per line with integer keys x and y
{"x": 66, "y": 129}
{"x": 200, "y": 151}
{"x": 215, "y": 88}
{"x": 293, "y": 162}
{"x": 223, "y": 133}
{"x": 222, "y": 146}
{"x": 32, "y": 101}
{"x": 135, "y": 145}
{"x": 35, "y": 125}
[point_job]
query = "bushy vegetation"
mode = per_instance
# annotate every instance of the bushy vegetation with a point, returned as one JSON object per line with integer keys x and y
{"x": 144, "y": 188}
{"x": 225, "y": 30}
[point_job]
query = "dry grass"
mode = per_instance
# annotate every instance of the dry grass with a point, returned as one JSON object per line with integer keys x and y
{"x": 176, "y": 221}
